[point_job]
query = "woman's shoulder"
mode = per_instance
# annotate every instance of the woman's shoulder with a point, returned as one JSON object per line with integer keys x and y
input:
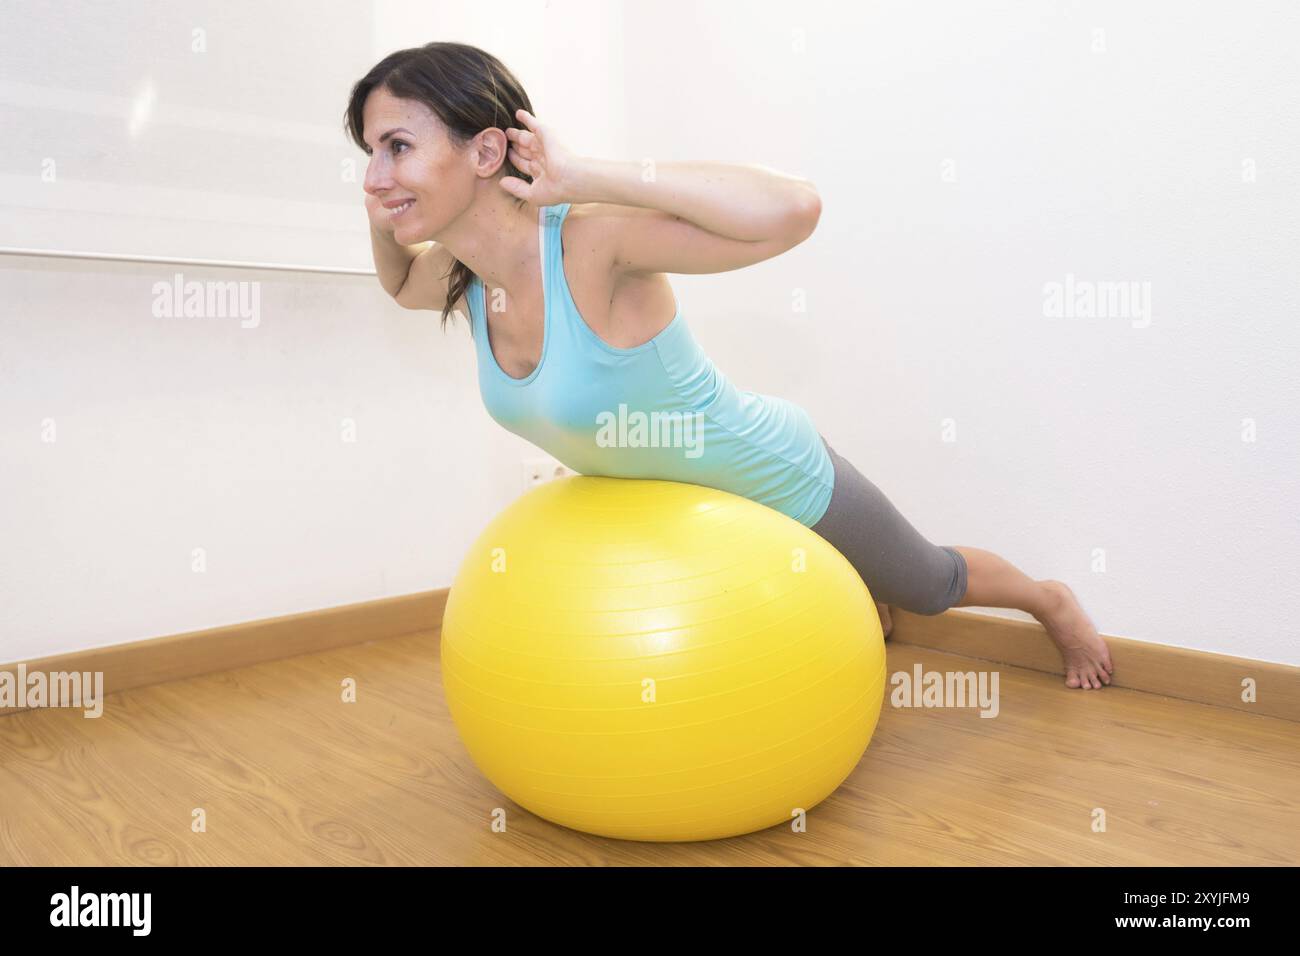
{"x": 588, "y": 221}
{"x": 624, "y": 309}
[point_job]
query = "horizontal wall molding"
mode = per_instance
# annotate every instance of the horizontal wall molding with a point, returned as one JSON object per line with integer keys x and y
{"x": 1199, "y": 676}
{"x": 154, "y": 661}
{"x": 171, "y": 261}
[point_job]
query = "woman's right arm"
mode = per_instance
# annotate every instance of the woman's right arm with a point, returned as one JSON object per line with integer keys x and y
{"x": 393, "y": 260}
{"x": 412, "y": 275}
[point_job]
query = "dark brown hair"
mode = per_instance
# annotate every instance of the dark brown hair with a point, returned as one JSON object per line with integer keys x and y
{"x": 468, "y": 89}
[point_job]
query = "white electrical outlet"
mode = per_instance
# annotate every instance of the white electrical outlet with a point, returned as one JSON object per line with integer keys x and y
{"x": 538, "y": 471}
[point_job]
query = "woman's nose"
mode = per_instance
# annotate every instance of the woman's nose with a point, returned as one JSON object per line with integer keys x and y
{"x": 376, "y": 178}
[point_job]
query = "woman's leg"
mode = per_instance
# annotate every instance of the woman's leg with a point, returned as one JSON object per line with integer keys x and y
{"x": 992, "y": 581}
{"x": 902, "y": 568}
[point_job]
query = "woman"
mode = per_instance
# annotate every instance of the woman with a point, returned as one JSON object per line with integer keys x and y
{"x": 561, "y": 263}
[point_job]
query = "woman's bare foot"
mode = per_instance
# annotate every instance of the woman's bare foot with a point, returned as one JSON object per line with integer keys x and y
{"x": 886, "y": 621}
{"x": 1086, "y": 657}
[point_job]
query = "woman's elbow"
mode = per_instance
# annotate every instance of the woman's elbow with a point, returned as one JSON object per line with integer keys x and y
{"x": 807, "y": 211}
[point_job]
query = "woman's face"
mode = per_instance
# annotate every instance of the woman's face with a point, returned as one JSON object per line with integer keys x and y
{"x": 417, "y": 166}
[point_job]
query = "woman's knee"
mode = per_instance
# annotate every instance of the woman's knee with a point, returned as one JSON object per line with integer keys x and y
{"x": 928, "y": 587}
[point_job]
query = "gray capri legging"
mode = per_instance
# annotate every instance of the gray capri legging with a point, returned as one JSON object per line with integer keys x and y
{"x": 900, "y": 567}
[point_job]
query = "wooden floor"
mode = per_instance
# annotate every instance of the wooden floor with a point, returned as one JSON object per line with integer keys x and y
{"x": 288, "y": 774}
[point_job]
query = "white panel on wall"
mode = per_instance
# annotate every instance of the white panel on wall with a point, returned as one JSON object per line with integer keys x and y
{"x": 196, "y": 130}
{"x": 215, "y": 130}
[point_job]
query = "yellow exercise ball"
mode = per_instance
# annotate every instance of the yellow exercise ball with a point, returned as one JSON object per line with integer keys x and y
{"x": 655, "y": 660}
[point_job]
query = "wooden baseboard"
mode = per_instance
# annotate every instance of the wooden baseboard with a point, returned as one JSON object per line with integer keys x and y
{"x": 179, "y": 656}
{"x": 1199, "y": 676}
{"x": 1214, "y": 679}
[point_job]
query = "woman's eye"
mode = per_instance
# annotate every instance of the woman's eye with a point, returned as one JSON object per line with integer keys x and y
{"x": 398, "y": 142}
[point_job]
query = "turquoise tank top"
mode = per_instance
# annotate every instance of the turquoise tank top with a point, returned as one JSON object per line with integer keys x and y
{"x": 657, "y": 410}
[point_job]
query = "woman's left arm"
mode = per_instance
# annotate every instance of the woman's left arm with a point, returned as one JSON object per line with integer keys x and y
{"x": 746, "y": 202}
{"x": 683, "y": 217}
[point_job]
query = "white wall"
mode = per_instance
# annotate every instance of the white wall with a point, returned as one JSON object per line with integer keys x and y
{"x": 967, "y": 155}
